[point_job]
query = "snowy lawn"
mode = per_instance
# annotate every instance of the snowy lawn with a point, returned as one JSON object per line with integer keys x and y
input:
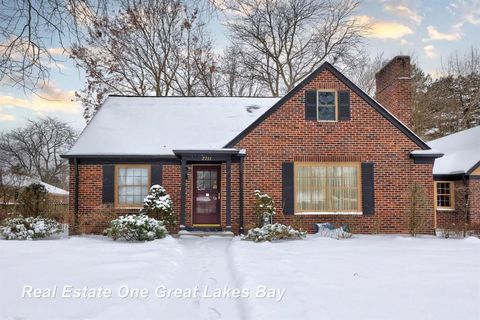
{"x": 366, "y": 277}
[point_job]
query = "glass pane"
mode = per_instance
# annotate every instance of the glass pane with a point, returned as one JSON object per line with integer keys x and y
{"x": 200, "y": 184}
{"x": 206, "y": 174}
{"x": 326, "y": 98}
{"x": 326, "y": 113}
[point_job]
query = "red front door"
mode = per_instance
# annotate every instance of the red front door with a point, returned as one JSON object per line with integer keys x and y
{"x": 206, "y": 195}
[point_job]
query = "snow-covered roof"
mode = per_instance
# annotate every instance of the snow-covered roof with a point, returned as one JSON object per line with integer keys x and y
{"x": 25, "y": 181}
{"x": 461, "y": 151}
{"x": 157, "y": 125}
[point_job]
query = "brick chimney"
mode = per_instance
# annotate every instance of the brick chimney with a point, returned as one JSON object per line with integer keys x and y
{"x": 394, "y": 88}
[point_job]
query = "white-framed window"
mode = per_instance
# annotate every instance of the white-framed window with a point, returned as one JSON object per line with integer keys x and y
{"x": 132, "y": 183}
{"x": 327, "y": 187}
{"x": 445, "y": 195}
{"x": 327, "y": 105}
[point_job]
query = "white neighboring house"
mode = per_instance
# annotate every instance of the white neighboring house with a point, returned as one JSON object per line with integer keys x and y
{"x": 9, "y": 184}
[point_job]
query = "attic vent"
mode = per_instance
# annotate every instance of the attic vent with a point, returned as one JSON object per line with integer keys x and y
{"x": 250, "y": 109}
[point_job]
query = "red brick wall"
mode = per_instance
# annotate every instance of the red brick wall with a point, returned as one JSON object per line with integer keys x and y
{"x": 94, "y": 216}
{"x": 446, "y": 218}
{"x": 285, "y": 136}
{"x": 474, "y": 199}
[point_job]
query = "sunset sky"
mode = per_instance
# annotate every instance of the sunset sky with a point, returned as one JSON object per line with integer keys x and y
{"x": 427, "y": 30}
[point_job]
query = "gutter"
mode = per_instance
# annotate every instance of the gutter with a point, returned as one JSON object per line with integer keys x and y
{"x": 76, "y": 188}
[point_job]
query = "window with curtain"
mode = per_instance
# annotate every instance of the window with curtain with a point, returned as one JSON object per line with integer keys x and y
{"x": 444, "y": 192}
{"x": 132, "y": 185}
{"x": 327, "y": 187}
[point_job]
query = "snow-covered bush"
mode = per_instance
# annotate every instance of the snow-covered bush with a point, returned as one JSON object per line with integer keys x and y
{"x": 136, "y": 228}
{"x": 328, "y": 230}
{"x": 264, "y": 208}
{"x": 159, "y": 205}
{"x": 274, "y": 231}
{"x": 29, "y": 228}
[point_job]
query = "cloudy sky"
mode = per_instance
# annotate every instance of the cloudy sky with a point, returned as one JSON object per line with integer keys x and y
{"x": 428, "y": 30}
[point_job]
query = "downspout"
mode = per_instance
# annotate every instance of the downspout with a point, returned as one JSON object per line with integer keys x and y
{"x": 466, "y": 196}
{"x": 240, "y": 206}
{"x": 75, "y": 207}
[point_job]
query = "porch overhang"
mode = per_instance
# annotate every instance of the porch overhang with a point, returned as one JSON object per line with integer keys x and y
{"x": 208, "y": 155}
{"x": 225, "y": 155}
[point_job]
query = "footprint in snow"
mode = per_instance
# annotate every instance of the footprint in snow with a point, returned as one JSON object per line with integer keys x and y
{"x": 213, "y": 314}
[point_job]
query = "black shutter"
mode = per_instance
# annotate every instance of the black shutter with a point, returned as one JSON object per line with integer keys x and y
{"x": 311, "y": 105}
{"x": 156, "y": 174}
{"x": 108, "y": 190}
{"x": 287, "y": 187}
{"x": 343, "y": 105}
{"x": 368, "y": 189}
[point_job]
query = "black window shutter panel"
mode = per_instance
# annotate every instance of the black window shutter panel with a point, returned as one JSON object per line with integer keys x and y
{"x": 311, "y": 105}
{"x": 343, "y": 105}
{"x": 156, "y": 174}
{"x": 108, "y": 190}
{"x": 287, "y": 187}
{"x": 368, "y": 188}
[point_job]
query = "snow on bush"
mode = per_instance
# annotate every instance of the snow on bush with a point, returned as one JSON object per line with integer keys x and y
{"x": 136, "y": 228}
{"x": 158, "y": 204}
{"x": 328, "y": 230}
{"x": 264, "y": 208}
{"x": 276, "y": 231}
{"x": 29, "y": 228}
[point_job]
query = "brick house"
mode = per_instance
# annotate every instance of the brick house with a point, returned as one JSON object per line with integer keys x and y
{"x": 457, "y": 178}
{"x": 325, "y": 152}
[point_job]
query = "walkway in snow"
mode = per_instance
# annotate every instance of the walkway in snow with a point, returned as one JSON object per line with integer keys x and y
{"x": 206, "y": 265}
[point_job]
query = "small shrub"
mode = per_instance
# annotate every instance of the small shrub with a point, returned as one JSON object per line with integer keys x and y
{"x": 418, "y": 209}
{"x": 33, "y": 200}
{"x": 29, "y": 228}
{"x": 159, "y": 205}
{"x": 264, "y": 208}
{"x": 453, "y": 230}
{"x": 136, "y": 228}
{"x": 328, "y": 230}
{"x": 474, "y": 230}
{"x": 274, "y": 231}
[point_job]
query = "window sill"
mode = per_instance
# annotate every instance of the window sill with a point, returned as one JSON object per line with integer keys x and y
{"x": 445, "y": 209}
{"x": 357, "y": 213}
{"x": 128, "y": 208}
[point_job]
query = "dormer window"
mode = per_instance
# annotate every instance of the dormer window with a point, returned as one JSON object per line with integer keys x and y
{"x": 326, "y": 105}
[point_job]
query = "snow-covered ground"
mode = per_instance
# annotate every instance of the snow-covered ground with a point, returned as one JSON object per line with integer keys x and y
{"x": 365, "y": 277}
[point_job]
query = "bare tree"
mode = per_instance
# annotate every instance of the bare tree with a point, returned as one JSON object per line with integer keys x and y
{"x": 237, "y": 79}
{"x": 158, "y": 47}
{"x": 35, "y": 150}
{"x": 27, "y": 30}
{"x": 363, "y": 71}
{"x": 283, "y": 41}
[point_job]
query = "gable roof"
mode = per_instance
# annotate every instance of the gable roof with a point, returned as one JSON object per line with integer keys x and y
{"x": 461, "y": 152}
{"x": 154, "y": 126}
{"x": 372, "y": 102}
